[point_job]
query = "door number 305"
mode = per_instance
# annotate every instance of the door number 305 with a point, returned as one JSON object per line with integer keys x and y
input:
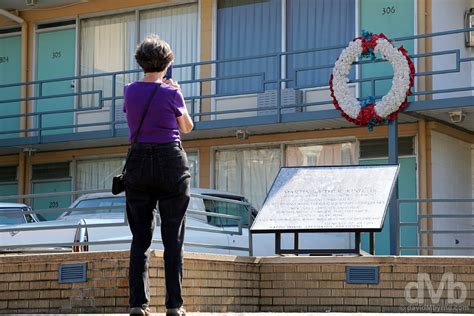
{"x": 55, "y": 55}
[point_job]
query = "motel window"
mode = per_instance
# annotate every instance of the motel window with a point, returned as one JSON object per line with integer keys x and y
{"x": 378, "y": 148}
{"x": 251, "y": 171}
{"x": 8, "y": 182}
{"x": 247, "y": 171}
{"x": 108, "y": 44}
{"x": 193, "y": 160}
{"x": 96, "y": 174}
{"x": 177, "y": 25}
{"x": 254, "y": 27}
{"x": 316, "y": 24}
{"x": 321, "y": 155}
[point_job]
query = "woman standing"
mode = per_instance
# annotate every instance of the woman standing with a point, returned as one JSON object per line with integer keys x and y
{"x": 157, "y": 171}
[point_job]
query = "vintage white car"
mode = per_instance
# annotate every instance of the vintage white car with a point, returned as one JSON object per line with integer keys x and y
{"x": 15, "y": 213}
{"x": 217, "y": 222}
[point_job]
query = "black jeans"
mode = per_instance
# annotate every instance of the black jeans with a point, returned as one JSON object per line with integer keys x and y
{"x": 156, "y": 173}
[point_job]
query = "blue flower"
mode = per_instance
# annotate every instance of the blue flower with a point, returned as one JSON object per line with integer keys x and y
{"x": 367, "y": 35}
{"x": 367, "y": 101}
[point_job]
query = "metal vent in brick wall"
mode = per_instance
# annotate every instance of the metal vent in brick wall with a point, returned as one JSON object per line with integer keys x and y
{"x": 76, "y": 272}
{"x": 362, "y": 275}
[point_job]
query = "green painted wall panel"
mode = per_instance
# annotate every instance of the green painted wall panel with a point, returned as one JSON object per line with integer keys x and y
{"x": 406, "y": 190}
{"x": 10, "y": 72}
{"x": 394, "y": 18}
{"x": 56, "y": 59}
{"x": 54, "y": 201}
{"x": 8, "y": 189}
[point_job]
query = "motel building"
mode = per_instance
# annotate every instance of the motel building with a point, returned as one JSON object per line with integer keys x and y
{"x": 255, "y": 77}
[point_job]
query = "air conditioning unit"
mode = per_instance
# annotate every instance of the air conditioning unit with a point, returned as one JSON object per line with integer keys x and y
{"x": 289, "y": 97}
{"x": 120, "y": 116}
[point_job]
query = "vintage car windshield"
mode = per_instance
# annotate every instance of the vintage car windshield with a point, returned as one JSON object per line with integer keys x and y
{"x": 99, "y": 202}
{"x": 13, "y": 218}
{"x": 229, "y": 209}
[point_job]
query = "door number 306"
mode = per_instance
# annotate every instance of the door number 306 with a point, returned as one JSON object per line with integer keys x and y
{"x": 388, "y": 10}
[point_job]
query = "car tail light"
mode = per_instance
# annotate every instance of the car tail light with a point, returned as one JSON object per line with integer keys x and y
{"x": 81, "y": 236}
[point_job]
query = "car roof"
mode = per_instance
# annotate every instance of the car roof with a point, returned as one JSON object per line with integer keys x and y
{"x": 12, "y": 205}
{"x": 193, "y": 190}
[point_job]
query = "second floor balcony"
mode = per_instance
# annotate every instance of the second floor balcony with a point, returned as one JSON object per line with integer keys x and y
{"x": 258, "y": 94}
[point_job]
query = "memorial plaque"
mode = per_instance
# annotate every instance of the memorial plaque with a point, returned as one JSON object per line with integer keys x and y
{"x": 342, "y": 198}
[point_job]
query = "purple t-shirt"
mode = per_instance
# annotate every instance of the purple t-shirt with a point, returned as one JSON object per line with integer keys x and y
{"x": 160, "y": 125}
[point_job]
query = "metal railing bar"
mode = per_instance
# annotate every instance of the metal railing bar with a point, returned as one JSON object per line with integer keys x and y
{"x": 445, "y": 215}
{"x": 400, "y": 201}
{"x": 37, "y": 129}
{"x": 446, "y": 231}
{"x": 26, "y": 227}
{"x": 120, "y": 241}
{"x": 64, "y": 209}
{"x": 51, "y": 112}
{"x": 53, "y": 96}
{"x": 441, "y": 33}
{"x": 434, "y": 248}
{"x": 38, "y": 195}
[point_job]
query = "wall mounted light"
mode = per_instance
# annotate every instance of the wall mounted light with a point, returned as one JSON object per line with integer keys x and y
{"x": 241, "y": 134}
{"x": 469, "y": 23}
{"x": 457, "y": 116}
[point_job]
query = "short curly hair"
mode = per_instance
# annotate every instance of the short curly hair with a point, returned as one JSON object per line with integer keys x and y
{"x": 154, "y": 54}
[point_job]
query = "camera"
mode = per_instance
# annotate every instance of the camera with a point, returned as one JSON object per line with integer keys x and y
{"x": 169, "y": 72}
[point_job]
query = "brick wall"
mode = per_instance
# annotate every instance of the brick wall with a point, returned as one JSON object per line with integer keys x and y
{"x": 213, "y": 283}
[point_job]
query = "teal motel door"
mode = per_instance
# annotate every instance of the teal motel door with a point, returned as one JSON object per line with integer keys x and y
{"x": 408, "y": 212}
{"x": 394, "y": 19}
{"x": 10, "y": 72}
{"x": 50, "y": 178}
{"x": 56, "y": 55}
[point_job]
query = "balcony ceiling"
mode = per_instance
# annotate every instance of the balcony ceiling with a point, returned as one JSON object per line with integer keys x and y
{"x": 443, "y": 115}
{"x": 21, "y": 5}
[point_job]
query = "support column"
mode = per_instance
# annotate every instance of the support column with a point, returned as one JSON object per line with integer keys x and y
{"x": 205, "y": 71}
{"x": 24, "y": 76}
{"x": 21, "y": 174}
{"x": 393, "y": 208}
{"x": 422, "y": 180}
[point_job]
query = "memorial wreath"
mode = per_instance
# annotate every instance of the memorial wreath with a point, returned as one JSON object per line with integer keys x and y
{"x": 370, "y": 112}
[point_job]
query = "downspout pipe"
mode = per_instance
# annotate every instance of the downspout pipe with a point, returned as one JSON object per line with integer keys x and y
{"x": 11, "y": 16}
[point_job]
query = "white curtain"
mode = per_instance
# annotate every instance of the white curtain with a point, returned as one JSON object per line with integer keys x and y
{"x": 321, "y": 155}
{"x": 107, "y": 45}
{"x": 193, "y": 160}
{"x": 249, "y": 172}
{"x": 97, "y": 173}
{"x": 177, "y": 25}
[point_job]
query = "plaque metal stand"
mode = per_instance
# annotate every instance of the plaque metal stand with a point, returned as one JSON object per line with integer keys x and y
{"x": 297, "y": 251}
